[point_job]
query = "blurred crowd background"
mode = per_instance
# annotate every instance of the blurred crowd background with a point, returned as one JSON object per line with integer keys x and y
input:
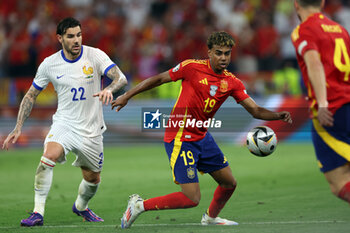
{"x": 145, "y": 37}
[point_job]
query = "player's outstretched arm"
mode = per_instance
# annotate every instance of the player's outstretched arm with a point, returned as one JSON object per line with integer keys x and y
{"x": 24, "y": 111}
{"x": 264, "y": 114}
{"x": 119, "y": 81}
{"x": 145, "y": 85}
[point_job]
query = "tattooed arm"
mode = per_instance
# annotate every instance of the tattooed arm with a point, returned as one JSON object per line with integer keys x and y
{"x": 24, "y": 111}
{"x": 119, "y": 81}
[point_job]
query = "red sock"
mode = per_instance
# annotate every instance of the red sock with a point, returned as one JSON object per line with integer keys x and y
{"x": 221, "y": 196}
{"x": 176, "y": 200}
{"x": 345, "y": 192}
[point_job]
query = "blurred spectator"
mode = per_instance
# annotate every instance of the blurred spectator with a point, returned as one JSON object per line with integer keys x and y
{"x": 285, "y": 20}
{"x": 150, "y": 36}
{"x": 266, "y": 42}
{"x": 343, "y": 15}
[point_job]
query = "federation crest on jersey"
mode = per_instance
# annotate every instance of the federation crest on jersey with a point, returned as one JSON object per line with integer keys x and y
{"x": 213, "y": 90}
{"x": 223, "y": 86}
{"x": 89, "y": 72}
{"x": 176, "y": 68}
{"x": 191, "y": 173}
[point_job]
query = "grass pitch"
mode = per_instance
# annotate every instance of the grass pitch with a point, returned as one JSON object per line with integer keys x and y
{"x": 282, "y": 193}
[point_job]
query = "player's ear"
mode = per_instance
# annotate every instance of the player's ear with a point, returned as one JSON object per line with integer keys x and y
{"x": 59, "y": 38}
{"x": 295, "y": 4}
{"x": 209, "y": 52}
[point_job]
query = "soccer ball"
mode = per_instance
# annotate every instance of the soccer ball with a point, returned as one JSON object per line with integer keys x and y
{"x": 261, "y": 141}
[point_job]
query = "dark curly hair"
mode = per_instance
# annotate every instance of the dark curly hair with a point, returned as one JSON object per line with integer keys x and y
{"x": 220, "y": 39}
{"x": 66, "y": 23}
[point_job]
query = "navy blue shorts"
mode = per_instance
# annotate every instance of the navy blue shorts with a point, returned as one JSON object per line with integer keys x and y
{"x": 187, "y": 157}
{"x": 332, "y": 144}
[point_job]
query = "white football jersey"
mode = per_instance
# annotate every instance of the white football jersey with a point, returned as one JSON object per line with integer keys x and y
{"x": 75, "y": 82}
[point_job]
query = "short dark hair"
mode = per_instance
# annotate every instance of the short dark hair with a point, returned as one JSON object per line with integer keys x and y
{"x": 313, "y": 3}
{"x": 220, "y": 39}
{"x": 66, "y": 23}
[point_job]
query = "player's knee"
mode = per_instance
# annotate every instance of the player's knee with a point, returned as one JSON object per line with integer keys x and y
{"x": 195, "y": 198}
{"x": 95, "y": 179}
{"x": 232, "y": 184}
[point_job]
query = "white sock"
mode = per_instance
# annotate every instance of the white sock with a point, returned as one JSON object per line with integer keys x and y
{"x": 42, "y": 184}
{"x": 86, "y": 191}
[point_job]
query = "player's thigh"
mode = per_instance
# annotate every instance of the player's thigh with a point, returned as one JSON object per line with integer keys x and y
{"x": 57, "y": 143}
{"x": 183, "y": 158}
{"x": 338, "y": 177}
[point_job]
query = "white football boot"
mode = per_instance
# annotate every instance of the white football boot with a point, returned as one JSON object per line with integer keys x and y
{"x": 206, "y": 220}
{"x": 133, "y": 210}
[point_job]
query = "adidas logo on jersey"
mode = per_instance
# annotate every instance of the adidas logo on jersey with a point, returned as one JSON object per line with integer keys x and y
{"x": 204, "y": 81}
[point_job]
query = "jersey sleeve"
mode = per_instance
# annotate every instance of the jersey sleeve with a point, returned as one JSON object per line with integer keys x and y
{"x": 177, "y": 72}
{"x": 303, "y": 39}
{"x": 41, "y": 79}
{"x": 239, "y": 92}
{"x": 104, "y": 63}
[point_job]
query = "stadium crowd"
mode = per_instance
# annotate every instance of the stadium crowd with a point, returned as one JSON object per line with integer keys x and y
{"x": 147, "y": 37}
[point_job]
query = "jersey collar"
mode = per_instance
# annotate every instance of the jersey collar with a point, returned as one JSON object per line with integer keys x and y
{"x": 76, "y": 59}
{"x": 319, "y": 14}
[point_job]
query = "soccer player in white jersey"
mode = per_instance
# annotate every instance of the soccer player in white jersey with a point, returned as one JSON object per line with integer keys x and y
{"x": 75, "y": 72}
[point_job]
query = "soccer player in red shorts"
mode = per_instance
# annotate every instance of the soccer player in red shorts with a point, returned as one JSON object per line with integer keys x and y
{"x": 323, "y": 47}
{"x": 206, "y": 84}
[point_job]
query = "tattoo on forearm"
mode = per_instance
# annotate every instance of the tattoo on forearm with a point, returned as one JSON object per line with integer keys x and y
{"x": 113, "y": 73}
{"x": 117, "y": 82}
{"x": 25, "y": 110}
{"x": 26, "y": 106}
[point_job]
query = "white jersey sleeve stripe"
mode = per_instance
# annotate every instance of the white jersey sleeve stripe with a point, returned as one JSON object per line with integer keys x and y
{"x": 301, "y": 47}
{"x": 108, "y": 68}
{"x": 37, "y": 86}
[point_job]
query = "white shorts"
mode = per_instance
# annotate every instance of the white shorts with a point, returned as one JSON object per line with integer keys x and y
{"x": 88, "y": 151}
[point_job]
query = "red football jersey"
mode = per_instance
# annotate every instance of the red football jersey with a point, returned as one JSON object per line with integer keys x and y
{"x": 202, "y": 93}
{"x": 332, "y": 42}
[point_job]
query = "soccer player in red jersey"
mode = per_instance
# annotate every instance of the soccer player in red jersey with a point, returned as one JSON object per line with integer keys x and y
{"x": 323, "y": 47}
{"x": 206, "y": 84}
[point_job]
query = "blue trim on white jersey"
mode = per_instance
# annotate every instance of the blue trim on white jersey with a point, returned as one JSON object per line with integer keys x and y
{"x": 76, "y": 59}
{"x": 108, "y": 68}
{"x": 37, "y": 87}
